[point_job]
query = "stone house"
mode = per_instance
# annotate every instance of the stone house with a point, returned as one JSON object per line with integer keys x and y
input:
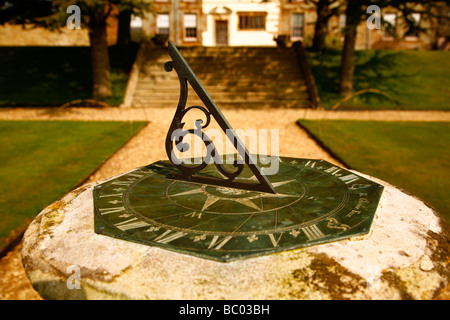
{"x": 181, "y": 21}
{"x": 258, "y": 23}
{"x": 230, "y": 22}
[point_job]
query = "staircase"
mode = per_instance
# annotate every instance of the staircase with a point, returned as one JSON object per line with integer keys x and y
{"x": 233, "y": 76}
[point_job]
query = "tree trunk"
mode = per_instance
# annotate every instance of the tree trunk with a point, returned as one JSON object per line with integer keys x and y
{"x": 321, "y": 26}
{"x": 347, "y": 64}
{"x": 101, "y": 86}
{"x": 353, "y": 13}
{"x": 124, "y": 31}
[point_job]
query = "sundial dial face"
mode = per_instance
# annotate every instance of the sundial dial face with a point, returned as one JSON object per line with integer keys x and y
{"x": 223, "y": 207}
{"x": 315, "y": 202}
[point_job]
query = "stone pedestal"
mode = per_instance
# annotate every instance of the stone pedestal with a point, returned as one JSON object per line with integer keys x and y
{"x": 406, "y": 255}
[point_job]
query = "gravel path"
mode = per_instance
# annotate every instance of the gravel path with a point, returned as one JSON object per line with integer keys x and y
{"x": 148, "y": 146}
{"x": 145, "y": 113}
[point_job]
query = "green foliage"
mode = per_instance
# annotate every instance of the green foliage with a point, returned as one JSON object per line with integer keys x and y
{"x": 427, "y": 9}
{"x": 52, "y": 76}
{"x": 42, "y": 160}
{"x": 52, "y": 14}
{"x": 24, "y": 11}
{"x": 93, "y": 15}
{"x": 411, "y": 155}
{"x": 408, "y": 79}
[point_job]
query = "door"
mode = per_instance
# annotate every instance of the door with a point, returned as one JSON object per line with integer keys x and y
{"x": 221, "y": 32}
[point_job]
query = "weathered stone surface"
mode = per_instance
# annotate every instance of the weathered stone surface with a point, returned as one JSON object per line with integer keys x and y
{"x": 406, "y": 255}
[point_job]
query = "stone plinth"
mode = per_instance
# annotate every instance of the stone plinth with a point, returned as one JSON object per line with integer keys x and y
{"x": 406, "y": 255}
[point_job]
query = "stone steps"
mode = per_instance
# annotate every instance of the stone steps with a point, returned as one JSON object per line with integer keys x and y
{"x": 226, "y": 104}
{"x": 281, "y": 81}
{"x": 219, "y": 85}
{"x": 246, "y": 96}
{"x": 233, "y": 76}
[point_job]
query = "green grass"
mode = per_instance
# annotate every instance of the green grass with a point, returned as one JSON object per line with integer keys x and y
{"x": 411, "y": 155}
{"x": 416, "y": 80}
{"x": 52, "y": 76}
{"x": 42, "y": 160}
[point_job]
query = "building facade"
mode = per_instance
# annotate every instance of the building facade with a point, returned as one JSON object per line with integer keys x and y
{"x": 181, "y": 21}
{"x": 240, "y": 23}
{"x": 229, "y": 22}
{"x": 259, "y": 23}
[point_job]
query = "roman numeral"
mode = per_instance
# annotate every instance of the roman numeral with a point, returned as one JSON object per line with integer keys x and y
{"x": 137, "y": 174}
{"x": 133, "y": 223}
{"x": 313, "y": 232}
{"x": 104, "y": 211}
{"x": 194, "y": 214}
{"x": 310, "y": 164}
{"x": 333, "y": 170}
{"x": 124, "y": 183}
{"x": 166, "y": 237}
{"x": 272, "y": 239}
{"x": 221, "y": 244}
{"x": 349, "y": 178}
{"x": 111, "y": 195}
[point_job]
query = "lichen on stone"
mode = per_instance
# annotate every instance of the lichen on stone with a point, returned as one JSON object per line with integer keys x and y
{"x": 326, "y": 277}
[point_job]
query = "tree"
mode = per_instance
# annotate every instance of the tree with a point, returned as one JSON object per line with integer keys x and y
{"x": 96, "y": 20}
{"x": 325, "y": 9}
{"x": 124, "y": 30}
{"x": 127, "y": 9}
{"x": 356, "y": 10}
{"x": 353, "y": 17}
{"x": 94, "y": 15}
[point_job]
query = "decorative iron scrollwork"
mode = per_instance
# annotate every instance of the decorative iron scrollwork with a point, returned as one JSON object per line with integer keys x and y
{"x": 177, "y": 132}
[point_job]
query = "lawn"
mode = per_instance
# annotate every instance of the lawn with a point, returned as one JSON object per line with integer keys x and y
{"x": 42, "y": 160}
{"x": 407, "y": 79}
{"x": 52, "y": 76}
{"x": 411, "y": 155}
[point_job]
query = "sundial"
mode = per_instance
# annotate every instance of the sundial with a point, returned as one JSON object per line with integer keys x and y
{"x": 223, "y": 207}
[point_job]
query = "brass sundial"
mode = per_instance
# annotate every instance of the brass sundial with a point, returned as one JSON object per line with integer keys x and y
{"x": 224, "y": 208}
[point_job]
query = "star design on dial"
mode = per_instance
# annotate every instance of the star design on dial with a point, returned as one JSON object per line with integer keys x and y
{"x": 211, "y": 199}
{"x": 315, "y": 202}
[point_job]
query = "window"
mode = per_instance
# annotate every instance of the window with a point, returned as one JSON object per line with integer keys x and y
{"x": 342, "y": 21}
{"x": 136, "y": 23}
{"x": 162, "y": 23}
{"x": 390, "y": 21}
{"x": 252, "y": 20}
{"x": 298, "y": 20}
{"x": 413, "y": 31}
{"x": 190, "y": 27}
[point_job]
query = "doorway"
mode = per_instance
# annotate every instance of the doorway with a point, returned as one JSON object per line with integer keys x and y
{"x": 221, "y": 32}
